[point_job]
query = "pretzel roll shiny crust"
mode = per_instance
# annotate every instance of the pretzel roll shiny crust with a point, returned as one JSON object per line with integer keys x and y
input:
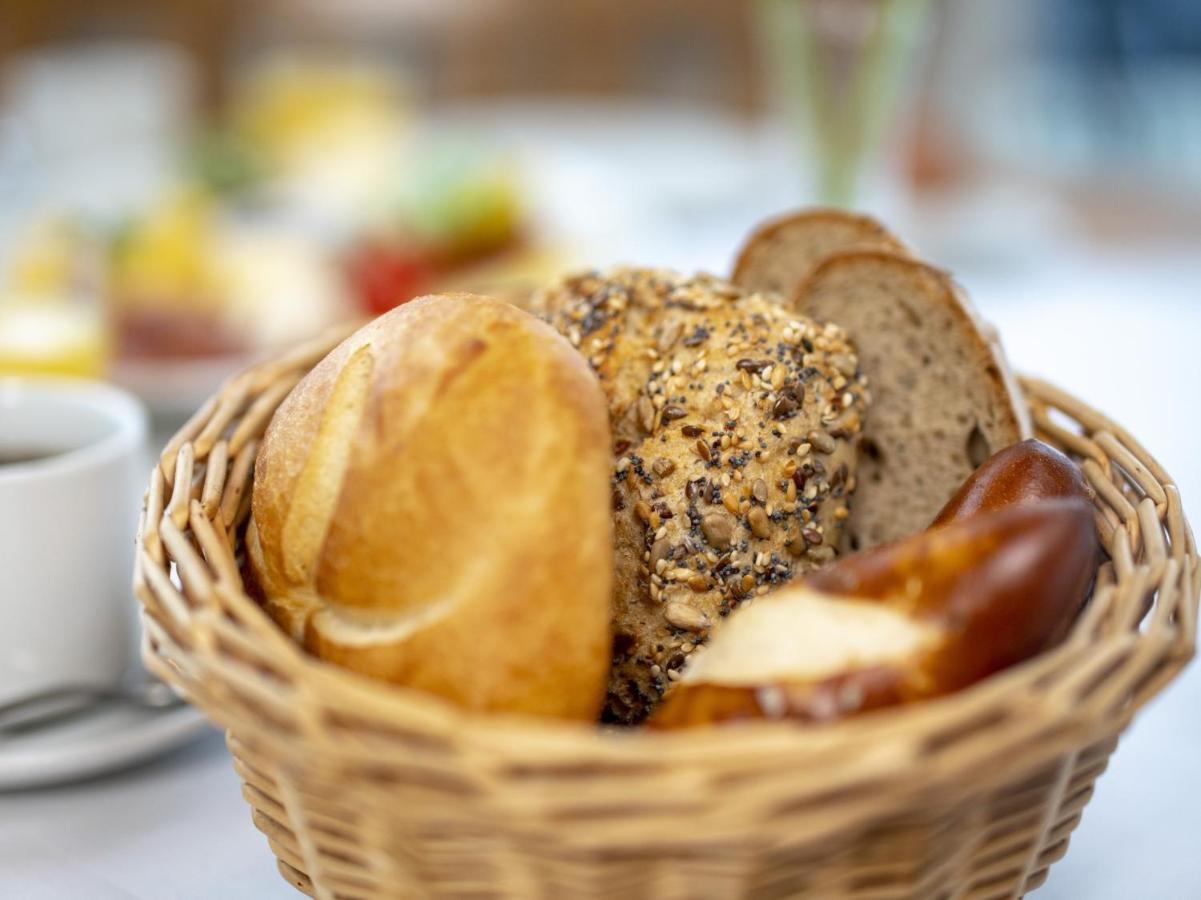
{"x": 431, "y": 508}
{"x": 1022, "y": 473}
{"x": 918, "y": 618}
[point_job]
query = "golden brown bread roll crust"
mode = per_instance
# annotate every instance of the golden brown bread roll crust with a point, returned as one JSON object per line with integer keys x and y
{"x": 430, "y": 507}
{"x": 734, "y": 425}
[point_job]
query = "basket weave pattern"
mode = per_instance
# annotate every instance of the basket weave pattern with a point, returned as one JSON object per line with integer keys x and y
{"x": 364, "y": 790}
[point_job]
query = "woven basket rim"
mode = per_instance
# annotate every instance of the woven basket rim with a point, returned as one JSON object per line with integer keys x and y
{"x": 435, "y": 709}
{"x": 1018, "y": 718}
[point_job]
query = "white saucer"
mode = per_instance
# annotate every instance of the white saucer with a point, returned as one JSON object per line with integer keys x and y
{"x": 101, "y": 742}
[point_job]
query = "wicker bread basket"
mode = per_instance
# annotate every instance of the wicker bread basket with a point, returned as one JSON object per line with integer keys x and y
{"x": 364, "y": 790}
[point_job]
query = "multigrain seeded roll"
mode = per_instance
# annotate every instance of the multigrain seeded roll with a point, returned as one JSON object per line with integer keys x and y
{"x": 734, "y": 425}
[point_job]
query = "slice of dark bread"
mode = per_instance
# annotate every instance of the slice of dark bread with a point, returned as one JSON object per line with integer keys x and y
{"x": 780, "y": 253}
{"x": 943, "y": 397}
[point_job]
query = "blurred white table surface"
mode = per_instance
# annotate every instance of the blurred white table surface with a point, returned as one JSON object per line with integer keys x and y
{"x": 1122, "y": 330}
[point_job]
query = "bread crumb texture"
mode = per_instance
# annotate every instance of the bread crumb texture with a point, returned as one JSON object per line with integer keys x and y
{"x": 942, "y": 402}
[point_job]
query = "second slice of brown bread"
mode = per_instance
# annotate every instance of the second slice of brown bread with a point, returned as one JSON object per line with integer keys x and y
{"x": 943, "y": 399}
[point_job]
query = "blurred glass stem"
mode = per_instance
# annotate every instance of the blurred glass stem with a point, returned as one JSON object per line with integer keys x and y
{"x": 838, "y": 68}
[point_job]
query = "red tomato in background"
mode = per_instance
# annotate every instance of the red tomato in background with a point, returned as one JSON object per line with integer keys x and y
{"x": 383, "y": 277}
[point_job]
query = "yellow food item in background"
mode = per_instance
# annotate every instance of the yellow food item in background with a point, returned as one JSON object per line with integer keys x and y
{"x": 53, "y": 259}
{"x": 166, "y": 257}
{"x": 38, "y": 337}
{"x": 44, "y": 263}
{"x": 326, "y": 136}
{"x": 290, "y": 109}
{"x": 52, "y": 319}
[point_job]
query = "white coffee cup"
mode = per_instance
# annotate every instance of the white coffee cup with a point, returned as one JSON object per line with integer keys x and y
{"x": 68, "y": 512}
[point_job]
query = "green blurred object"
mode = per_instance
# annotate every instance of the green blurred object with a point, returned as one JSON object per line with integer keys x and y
{"x": 839, "y": 68}
{"x": 461, "y": 202}
{"x": 225, "y": 164}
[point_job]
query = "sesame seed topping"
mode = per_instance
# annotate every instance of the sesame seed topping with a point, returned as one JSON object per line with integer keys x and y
{"x": 723, "y": 521}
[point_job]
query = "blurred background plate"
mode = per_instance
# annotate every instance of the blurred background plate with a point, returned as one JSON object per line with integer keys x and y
{"x": 174, "y": 389}
{"x": 104, "y": 741}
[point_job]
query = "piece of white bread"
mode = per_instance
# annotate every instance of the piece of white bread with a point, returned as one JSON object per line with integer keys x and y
{"x": 780, "y": 253}
{"x": 943, "y": 396}
{"x": 800, "y": 634}
{"x": 431, "y": 508}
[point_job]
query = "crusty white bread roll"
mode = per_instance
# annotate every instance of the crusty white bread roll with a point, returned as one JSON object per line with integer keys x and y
{"x": 902, "y": 622}
{"x": 431, "y": 508}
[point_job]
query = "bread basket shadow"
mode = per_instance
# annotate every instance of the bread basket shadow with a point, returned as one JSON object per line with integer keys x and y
{"x": 364, "y": 790}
